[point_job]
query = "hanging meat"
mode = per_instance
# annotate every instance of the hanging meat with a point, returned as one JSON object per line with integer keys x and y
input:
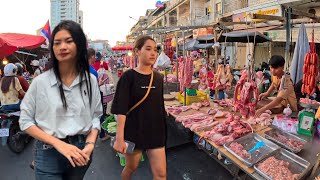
{"x": 203, "y": 78}
{"x": 220, "y": 78}
{"x": 246, "y": 95}
{"x": 188, "y": 72}
{"x": 229, "y": 76}
{"x": 223, "y": 78}
{"x": 181, "y": 73}
{"x": 310, "y": 70}
{"x": 185, "y": 72}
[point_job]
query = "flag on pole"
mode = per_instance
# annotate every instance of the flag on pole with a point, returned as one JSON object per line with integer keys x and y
{"x": 46, "y": 32}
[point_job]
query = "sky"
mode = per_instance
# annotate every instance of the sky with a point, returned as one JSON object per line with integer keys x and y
{"x": 103, "y": 19}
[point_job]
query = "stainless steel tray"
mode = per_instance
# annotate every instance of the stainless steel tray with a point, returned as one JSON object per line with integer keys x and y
{"x": 311, "y": 106}
{"x": 297, "y": 164}
{"x": 270, "y": 134}
{"x": 248, "y": 142}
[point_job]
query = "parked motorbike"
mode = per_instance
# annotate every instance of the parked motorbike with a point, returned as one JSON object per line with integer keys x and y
{"x": 10, "y": 132}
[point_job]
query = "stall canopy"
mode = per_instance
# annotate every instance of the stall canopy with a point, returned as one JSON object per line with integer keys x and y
{"x": 11, "y": 42}
{"x": 122, "y": 48}
{"x": 243, "y": 37}
{"x": 194, "y": 44}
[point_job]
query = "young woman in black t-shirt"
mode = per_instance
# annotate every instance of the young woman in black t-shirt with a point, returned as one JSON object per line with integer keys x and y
{"x": 145, "y": 125}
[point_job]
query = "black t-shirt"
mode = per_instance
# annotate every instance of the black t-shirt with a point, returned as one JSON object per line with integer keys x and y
{"x": 145, "y": 125}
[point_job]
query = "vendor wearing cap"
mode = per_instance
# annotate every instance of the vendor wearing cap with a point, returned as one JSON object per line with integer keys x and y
{"x": 99, "y": 63}
{"x": 35, "y": 65}
{"x": 286, "y": 95}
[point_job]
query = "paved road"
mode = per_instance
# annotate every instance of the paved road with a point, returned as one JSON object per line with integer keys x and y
{"x": 183, "y": 163}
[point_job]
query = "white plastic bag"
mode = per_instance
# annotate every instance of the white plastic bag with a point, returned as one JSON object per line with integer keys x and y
{"x": 162, "y": 61}
{"x": 286, "y": 124}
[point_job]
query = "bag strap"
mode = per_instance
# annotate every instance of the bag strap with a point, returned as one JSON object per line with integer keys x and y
{"x": 145, "y": 96}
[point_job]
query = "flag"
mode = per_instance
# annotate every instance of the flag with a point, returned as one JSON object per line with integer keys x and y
{"x": 46, "y": 32}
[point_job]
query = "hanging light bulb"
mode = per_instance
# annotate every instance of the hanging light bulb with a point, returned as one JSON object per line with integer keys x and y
{"x": 130, "y": 53}
{"x": 5, "y": 61}
{"x": 174, "y": 42}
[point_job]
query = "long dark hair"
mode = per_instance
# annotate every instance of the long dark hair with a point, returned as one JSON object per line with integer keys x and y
{"x": 82, "y": 64}
{"x": 6, "y": 82}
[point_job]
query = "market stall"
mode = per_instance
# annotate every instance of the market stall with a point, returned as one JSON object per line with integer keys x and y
{"x": 307, "y": 157}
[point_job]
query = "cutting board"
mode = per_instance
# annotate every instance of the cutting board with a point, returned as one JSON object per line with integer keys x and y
{"x": 276, "y": 110}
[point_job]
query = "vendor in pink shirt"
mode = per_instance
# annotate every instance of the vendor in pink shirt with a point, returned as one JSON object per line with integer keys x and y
{"x": 98, "y": 62}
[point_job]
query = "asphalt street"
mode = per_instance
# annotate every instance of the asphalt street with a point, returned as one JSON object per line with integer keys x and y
{"x": 183, "y": 163}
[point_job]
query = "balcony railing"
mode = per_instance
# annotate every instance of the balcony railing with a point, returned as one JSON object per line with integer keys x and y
{"x": 232, "y": 5}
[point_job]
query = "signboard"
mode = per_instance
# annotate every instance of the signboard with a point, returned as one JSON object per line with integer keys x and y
{"x": 280, "y": 35}
{"x": 246, "y": 16}
{"x": 202, "y": 32}
{"x": 258, "y": 2}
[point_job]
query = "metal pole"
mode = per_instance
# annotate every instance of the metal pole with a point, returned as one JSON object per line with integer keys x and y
{"x": 288, "y": 30}
{"x": 184, "y": 62}
{"x": 177, "y": 63}
{"x": 216, "y": 57}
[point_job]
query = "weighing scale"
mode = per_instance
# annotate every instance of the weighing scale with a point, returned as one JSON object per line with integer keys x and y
{"x": 306, "y": 119}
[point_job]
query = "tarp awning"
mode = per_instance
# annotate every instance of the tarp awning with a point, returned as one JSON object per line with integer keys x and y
{"x": 11, "y": 42}
{"x": 195, "y": 45}
{"x": 235, "y": 36}
{"x": 206, "y": 37}
{"x": 122, "y": 48}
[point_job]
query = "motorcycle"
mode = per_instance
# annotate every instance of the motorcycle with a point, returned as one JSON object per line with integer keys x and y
{"x": 10, "y": 132}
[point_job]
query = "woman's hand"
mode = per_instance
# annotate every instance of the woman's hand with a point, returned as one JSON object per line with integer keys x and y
{"x": 120, "y": 146}
{"x": 73, "y": 154}
{"x": 88, "y": 149}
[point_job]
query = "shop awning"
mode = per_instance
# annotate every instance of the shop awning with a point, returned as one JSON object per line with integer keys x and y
{"x": 195, "y": 45}
{"x": 236, "y": 36}
{"x": 122, "y": 48}
{"x": 206, "y": 37}
{"x": 11, "y": 42}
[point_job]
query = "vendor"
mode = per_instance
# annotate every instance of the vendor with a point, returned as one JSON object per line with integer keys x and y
{"x": 197, "y": 63}
{"x": 286, "y": 94}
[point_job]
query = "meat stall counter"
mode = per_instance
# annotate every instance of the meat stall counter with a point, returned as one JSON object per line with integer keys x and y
{"x": 230, "y": 162}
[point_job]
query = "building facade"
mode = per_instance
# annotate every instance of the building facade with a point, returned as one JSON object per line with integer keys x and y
{"x": 65, "y": 10}
{"x": 193, "y": 13}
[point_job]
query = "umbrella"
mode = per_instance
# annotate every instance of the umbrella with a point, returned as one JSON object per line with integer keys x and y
{"x": 11, "y": 42}
{"x": 301, "y": 49}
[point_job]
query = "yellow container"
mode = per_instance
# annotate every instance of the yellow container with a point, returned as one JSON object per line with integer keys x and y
{"x": 201, "y": 96}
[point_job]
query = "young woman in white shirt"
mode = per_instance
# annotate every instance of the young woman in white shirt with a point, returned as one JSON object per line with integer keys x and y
{"x": 62, "y": 108}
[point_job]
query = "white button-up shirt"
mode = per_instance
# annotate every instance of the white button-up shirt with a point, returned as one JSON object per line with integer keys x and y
{"x": 42, "y": 106}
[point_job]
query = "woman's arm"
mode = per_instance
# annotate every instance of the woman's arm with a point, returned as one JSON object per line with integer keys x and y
{"x": 119, "y": 144}
{"x": 22, "y": 93}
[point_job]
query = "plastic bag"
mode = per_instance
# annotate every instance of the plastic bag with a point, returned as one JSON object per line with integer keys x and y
{"x": 162, "y": 61}
{"x": 286, "y": 124}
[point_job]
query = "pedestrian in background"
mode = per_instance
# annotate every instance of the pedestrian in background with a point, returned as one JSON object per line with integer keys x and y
{"x": 62, "y": 108}
{"x": 141, "y": 120}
